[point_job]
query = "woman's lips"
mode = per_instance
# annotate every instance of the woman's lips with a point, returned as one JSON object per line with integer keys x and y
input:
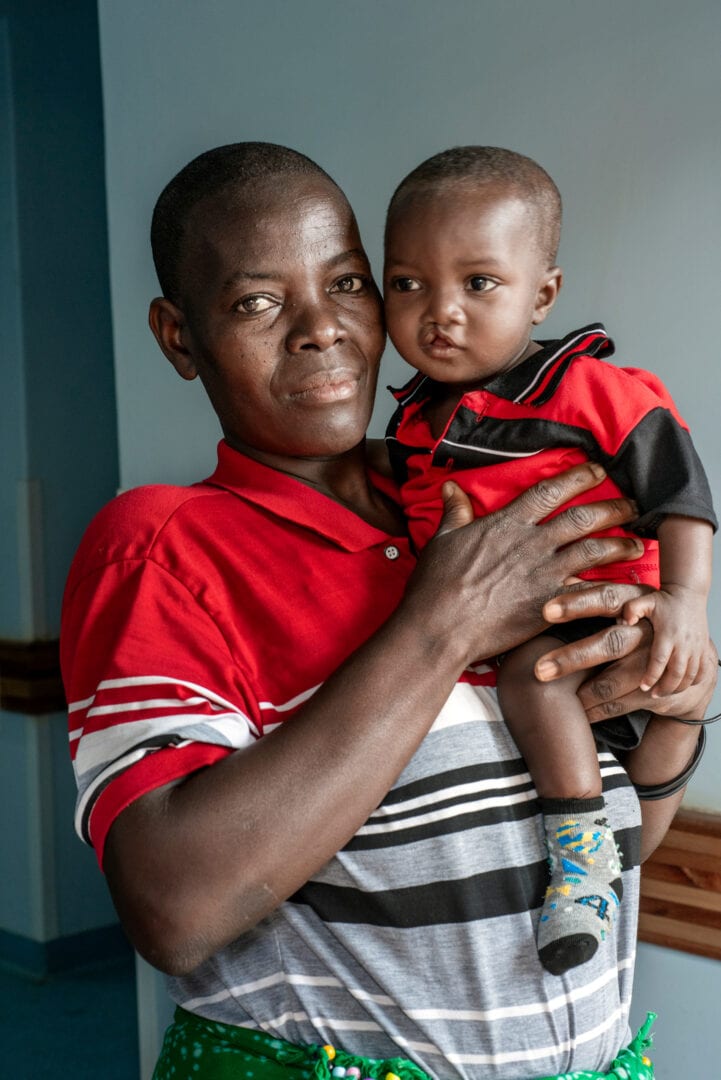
{"x": 327, "y": 386}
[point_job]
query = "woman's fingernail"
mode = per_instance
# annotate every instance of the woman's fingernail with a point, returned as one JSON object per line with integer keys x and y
{"x": 553, "y": 610}
{"x": 596, "y": 469}
{"x": 546, "y": 669}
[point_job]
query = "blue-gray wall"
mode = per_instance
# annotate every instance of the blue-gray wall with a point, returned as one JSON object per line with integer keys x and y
{"x": 618, "y": 100}
{"x": 58, "y": 440}
{"x": 13, "y": 434}
{"x": 63, "y": 368}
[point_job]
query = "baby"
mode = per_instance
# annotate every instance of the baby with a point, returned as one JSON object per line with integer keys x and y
{"x": 471, "y": 242}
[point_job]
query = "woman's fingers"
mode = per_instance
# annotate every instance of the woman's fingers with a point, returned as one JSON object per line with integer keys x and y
{"x": 591, "y": 600}
{"x": 614, "y": 690}
{"x": 551, "y": 494}
{"x": 606, "y": 600}
{"x": 570, "y": 529}
{"x": 612, "y": 643}
{"x": 599, "y": 550}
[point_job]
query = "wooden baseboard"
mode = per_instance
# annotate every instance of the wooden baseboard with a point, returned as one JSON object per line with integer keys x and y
{"x": 30, "y": 680}
{"x": 681, "y": 887}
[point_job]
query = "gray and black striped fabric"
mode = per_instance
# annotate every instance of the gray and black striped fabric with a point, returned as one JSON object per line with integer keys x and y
{"x": 419, "y": 937}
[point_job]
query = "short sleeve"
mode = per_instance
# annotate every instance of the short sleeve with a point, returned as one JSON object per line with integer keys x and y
{"x": 658, "y": 462}
{"x": 153, "y": 691}
{"x": 641, "y": 441}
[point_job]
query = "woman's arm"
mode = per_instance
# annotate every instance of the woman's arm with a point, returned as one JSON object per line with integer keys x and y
{"x": 193, "y": 865}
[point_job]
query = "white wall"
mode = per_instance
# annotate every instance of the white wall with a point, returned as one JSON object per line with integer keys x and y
{"x": 619, "y": 101}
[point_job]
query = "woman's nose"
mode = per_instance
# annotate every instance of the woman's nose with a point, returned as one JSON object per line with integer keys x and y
{"x": 315, "y": 325}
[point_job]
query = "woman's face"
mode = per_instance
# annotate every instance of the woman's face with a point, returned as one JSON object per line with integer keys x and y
{"x": 281, "y": 318}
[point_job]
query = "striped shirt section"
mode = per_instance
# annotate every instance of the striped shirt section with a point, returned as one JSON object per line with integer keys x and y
{"x": 126, "y": 720}
{"x": 419, "y": 936}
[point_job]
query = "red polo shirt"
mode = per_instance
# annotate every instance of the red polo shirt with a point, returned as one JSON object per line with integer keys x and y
{"x": 198, "y": 618}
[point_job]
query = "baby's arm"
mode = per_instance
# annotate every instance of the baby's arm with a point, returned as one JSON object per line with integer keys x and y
{"x": 678, "y": 610}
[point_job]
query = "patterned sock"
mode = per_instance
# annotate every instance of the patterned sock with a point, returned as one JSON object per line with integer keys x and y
{"x": 585, "y": 888}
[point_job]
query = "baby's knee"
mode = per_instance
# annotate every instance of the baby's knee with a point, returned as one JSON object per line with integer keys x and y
{"x": 517, "y": 682}
{"x": 520, "y": 662}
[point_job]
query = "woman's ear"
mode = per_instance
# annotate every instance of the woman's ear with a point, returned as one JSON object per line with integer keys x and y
{"x": 168, "y": 324}
{"x": 547, "y": 292}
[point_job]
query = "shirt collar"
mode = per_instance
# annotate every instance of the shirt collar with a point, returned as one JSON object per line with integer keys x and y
{"x": 290, "y": 499}
{"x": 536, "y": 379}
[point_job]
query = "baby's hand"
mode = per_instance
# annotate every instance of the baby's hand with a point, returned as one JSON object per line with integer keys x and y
{"x": 680, "y": 636}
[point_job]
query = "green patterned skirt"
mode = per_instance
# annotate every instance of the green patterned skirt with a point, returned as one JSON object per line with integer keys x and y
{"x": 198, "y": 1049}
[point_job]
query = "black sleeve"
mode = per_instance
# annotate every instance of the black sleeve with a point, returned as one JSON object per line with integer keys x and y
{"x": 659, "y": 464}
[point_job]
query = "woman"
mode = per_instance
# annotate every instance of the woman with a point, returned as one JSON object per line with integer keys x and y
{"x": 305, "y": 818}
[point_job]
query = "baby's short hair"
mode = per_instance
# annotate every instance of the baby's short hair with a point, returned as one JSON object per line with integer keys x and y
{"x": 231, "y": 166}
{"x": 482, "y": 165}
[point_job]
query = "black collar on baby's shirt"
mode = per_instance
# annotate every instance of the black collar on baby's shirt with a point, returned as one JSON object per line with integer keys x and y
{"x": 535, "y": 380}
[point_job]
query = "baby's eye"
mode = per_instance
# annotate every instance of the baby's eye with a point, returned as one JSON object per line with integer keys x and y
{"x": 404, "y": 284}
{"x": 351, "y": 284}
{"x": 478, "y": 283}
{"x": 253, "y": 305}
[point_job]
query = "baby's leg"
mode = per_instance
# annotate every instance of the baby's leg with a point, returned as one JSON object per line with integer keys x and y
{"x": 551, "y": 731}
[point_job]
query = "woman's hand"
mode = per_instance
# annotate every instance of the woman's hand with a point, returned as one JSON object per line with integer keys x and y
{"x": 483, "y": 583}
{"x": 625, "y": 651}
{"x": 616, "y": 690}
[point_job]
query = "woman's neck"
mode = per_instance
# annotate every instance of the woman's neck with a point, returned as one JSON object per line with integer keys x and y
{"x": 344, "y": 479}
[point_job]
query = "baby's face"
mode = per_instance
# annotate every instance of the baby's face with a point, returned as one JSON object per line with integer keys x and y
{"x": 464, "y": 283}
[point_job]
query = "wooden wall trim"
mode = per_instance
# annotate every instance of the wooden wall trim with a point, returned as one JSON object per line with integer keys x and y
{"x": 681, "y": 887}
{"x": 30, "y": 680}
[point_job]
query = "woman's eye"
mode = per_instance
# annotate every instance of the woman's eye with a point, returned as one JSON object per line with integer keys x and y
{"x": 253, "y": 305}
{"x": 478, "y": 283}
{"x": 350, "y": 284}
{"x": 405, "y": 284}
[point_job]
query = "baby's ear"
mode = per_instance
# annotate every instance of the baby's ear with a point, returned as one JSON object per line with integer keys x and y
{"x": 548, "y": 290}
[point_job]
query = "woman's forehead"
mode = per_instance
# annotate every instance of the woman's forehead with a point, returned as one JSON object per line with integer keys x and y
{"x": 276, "y": 200}
{"x": 281, "y": 215}
{"x": 273, "y": 235}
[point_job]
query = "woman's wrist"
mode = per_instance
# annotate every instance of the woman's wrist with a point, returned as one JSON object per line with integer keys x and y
{"x": 666, "y": 758}
{"x": 664, "y": 789}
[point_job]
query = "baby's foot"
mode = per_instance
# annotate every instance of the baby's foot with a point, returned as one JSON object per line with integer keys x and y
{"x": 585, "y": 888}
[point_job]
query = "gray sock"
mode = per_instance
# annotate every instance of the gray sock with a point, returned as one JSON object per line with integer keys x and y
{"x": 585, "y": 888}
